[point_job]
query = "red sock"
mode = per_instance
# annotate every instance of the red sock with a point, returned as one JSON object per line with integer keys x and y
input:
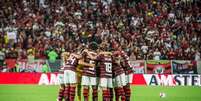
{"x": 66, "y": 92}
{"x": 123, "y": 98}
{"x": 72, "y": 94}
{"x": 106, "y": 95}
{"x": 127, "y": 91}
{"x": 116, "y": 90}
{"x": 86, "y": 94}
{"x": 111, "y": 94}
{"x": 95, "y": 94}
{"x": 122, "y": 94}
{"x": 61, "y": 94}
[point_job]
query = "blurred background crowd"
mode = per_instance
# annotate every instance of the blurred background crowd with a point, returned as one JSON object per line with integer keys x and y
{"x": 145, "y": 29}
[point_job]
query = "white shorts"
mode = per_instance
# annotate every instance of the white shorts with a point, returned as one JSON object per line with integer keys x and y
{"x": 69, "y": 77}
{"x": 61, "y": 78}
{"x": 120, "y": 80}
{"x": 89, "y": 81}
{"x": 106, "y": 82}
{"x": 129, "y": 78}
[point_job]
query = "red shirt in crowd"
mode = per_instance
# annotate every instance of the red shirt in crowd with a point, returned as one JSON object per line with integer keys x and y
{"x": 10, "y": 63}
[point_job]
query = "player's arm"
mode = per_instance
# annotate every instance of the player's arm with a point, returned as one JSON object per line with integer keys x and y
{"x": 105, "y": 53}
{"x": 79, "y": 70}
{"x": 94, "y": 56}
{"x": 81, "y": 62}
{"x": 77, "y": 56}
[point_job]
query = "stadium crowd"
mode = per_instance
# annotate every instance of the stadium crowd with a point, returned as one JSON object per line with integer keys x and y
{"x": 146, "y": 29}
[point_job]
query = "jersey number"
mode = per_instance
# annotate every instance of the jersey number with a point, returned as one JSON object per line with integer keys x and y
{"x": 92, "y": 62}
{"x": 108, "y": 67}
{"x": 71, "y": 60}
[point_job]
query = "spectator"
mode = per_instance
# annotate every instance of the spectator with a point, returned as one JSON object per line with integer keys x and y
{"x": 139, "y": 26}
{"x": 31, "y": 55}
{"x": 52, "y": 56}
{"x": 45, "y": 68}
{"x": 197, "y": 55}
{"x": 2, "y": 59}
{"x": 171, "y": 54}
{"x": 157, "y": 54}
{"x": 144, "y": 49}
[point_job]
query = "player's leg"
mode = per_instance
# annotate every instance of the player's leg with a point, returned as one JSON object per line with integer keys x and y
{"x": 114, "y": 82}
{"x": 116, "y": 90}
{"x": 72, "y": 92}
{"x": 127, "y": 89}
{"x": 86, "y": 93}
{"x": 62, "y": 87}
{"x": 119, "y": 90}
{"x": 79, "y": 88}
{"x": 95, "y": 93}
{"x": 67, "y": 86}
{"x": 122, "y": 83}
{"x": 110, "y": 87}
{"x": 85, "y": 86}
{"x": 111, "y": 94}
{"x": 122, "y": 93}
{"x": 72, "y": 82}
{"x": 66, "y": 92}
{"x": 93, "y": 83}
{"x": 61, "y": 92}
{"x": 106, "y": 93}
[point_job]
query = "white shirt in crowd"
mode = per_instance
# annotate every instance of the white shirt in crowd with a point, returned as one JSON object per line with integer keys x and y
{"x": 197, "y": 56}
{"x": 157, "y": 55}
{"x": 144, "y": 48}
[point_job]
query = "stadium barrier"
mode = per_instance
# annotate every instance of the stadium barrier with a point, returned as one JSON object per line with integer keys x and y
{"x": 139, "y": 66}
{"x": 138, "y": 79}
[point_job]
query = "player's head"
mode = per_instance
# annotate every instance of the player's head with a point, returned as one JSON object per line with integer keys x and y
{"x": 116, "y": 45}
{"x": 65, "y": 56}
{"x": 102, "y": 47}
{"x": 80, "y": 49}
{"x": 117, "y": 56}
{"x": 93, "y": 46}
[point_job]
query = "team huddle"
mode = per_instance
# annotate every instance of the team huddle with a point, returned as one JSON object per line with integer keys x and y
{"x": 95, "y": 68}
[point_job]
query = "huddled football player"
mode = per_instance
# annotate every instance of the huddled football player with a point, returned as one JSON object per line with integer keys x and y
{"x": 90, "y": 67}
{"x": 64, "y": 56}
{"x": 105, "y": 73}
{"x": 70, "y": 77}
{"x": 89, "y": 76}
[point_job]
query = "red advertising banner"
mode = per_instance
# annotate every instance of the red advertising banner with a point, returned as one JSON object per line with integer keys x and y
{"x": 19, "y": 78}
{"x": 138, "y": 79}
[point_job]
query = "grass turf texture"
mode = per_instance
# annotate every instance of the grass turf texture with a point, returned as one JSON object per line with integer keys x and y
{"x": 139, "y": 93}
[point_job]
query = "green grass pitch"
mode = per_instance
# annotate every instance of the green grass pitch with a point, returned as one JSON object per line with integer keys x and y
{"x": 139, "y": 93}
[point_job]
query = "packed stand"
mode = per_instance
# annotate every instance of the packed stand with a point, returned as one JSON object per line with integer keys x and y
{"x": 146, "y": 29}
